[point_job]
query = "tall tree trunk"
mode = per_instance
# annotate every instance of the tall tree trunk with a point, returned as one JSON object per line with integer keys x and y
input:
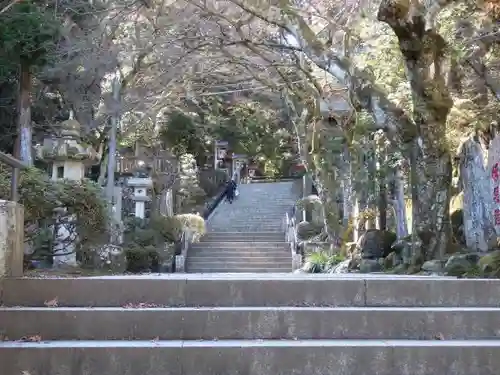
{"x": 423, "y": 53}
{"x": 382, "y": 200}
{"x": 347, "y": 190}
{"x": 25, "y": 130}
{"x": 478, "y": 197}
{"x": 399, "y": 204}
{"x": 371, "y": 186}
{"x": 382, "y": 180}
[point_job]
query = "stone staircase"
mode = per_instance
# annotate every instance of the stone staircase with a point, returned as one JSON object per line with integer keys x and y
{"x": 247, "y": 235}
{"x": 260, "y": 324}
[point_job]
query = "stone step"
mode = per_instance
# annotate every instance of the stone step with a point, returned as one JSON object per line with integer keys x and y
{"x": 225, "y": 265}
{"x": 276, "y": 229}
{"x": 255, "y": 223}
{"x": 246, "y": 221}
{"x": 226, "y": 255}
{"x": 225, "y": 323}
{"x": 240, "y": 250}
{"x": 238, "y": 245}
{"x": 250, "y": 251}
{"x": 252, "y": 357}
{"x": 283, "y": 289}
{"x": 246, "y": 236}
{"x": 241, "y": 212}
{"x": 276, "y": 237}
{"x": 241, "y": 262}
{"x": 239, "y": 270}
{"x": 273, "y": 205}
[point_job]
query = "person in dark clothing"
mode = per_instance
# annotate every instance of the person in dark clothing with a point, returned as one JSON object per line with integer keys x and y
{"x": 230, "y": 191}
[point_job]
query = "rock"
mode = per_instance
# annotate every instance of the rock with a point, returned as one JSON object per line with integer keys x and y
{"x": 355, "y": 262}
{"x": 433, "y": 266}
{"x": 457, "y": 218}
{"x": 374, "y": 243}
{"x": 400, "y": 269}
{"x": 392, "y": 260}
{"x": 166, "y": 266}
{"x": 110, "y": 257}
{"x": 402, "y": 247}
{"x": 342, "y": 267}
{"x": 308, "y": 267}
{"x": 369, "y": 266}
{"x": 306, "y": 230}
{"x": 489, "y": 264}
{"x": 350, "y": 248}
{"x": 459, "y": 264}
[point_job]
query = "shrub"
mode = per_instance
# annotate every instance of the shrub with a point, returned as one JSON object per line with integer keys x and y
{"x": 318, "y": 262}
{"x": 192, "y": 222}
{"x": 321, "y": 261}
{"x": 169, "y": 227}
{"x": 41, "y": 197}
{"x": 145, "y": 242}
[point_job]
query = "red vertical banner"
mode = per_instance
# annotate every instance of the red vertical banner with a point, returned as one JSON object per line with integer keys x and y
{"x": 496, "y": 198}
{"x": 494, "y": 175}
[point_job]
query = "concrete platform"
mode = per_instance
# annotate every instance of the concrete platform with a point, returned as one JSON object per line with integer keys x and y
{"x": 253, "y": 290}
{"x": 252, "y": 357}
{"x": 226, "y": 323}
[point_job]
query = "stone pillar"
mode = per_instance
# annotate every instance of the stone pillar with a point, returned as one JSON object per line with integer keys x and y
{"x": 11, "y": 239}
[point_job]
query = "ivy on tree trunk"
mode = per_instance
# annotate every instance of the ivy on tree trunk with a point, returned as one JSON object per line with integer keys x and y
{"x": 25, "y": 128}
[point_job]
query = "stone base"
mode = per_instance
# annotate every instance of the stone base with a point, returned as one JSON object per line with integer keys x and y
{"x": 11, "y": 239}
{"x": 296, "y": 261}
{"x": 180, "y": 263}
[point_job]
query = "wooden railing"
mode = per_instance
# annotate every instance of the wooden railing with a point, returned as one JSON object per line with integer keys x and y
{"x": 16, "y": 165}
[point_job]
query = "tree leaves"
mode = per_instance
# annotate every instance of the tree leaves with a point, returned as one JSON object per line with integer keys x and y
{"x": 28, "y": 32}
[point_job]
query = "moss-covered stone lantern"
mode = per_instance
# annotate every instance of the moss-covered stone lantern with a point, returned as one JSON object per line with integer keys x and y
{"x": 66, "y": 153}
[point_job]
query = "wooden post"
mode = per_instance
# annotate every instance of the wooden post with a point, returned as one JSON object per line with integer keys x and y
{"x": 16, "y": 165}
{"x": 12, "y": 225}
{"x": 11, "y": 239}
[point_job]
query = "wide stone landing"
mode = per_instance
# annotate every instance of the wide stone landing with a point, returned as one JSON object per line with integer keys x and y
{"x": 250, "y": 324}
{"x": 256, "y": 357}
{"x": 253, "y": 290}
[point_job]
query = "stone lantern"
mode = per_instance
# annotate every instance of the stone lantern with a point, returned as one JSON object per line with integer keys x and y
{"x": 67, "y": 157}
{"x": 66, "y": 154}
{"x": 141, "y": 183}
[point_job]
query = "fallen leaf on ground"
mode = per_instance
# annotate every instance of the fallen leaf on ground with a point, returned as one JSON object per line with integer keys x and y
{"x": 35, "y": 338}
{"x": 52, "y": 303}
{"x": 140, "y": 305}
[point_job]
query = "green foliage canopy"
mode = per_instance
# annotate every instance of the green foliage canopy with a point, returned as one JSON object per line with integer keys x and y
{"x": 29, "y": 33}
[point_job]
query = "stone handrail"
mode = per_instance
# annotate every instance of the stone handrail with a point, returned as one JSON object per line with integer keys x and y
{"x": 292, "y": 239}
{"x": 180, "y": 260}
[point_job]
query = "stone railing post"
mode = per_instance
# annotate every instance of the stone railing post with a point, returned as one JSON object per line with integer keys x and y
{"x": 11, "y": 239}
